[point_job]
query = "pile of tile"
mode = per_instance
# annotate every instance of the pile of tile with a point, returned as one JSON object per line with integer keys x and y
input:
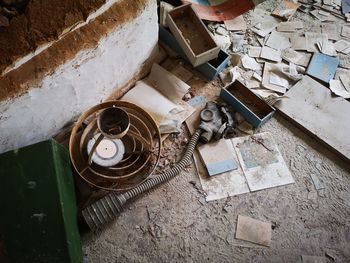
{"x": 283, "y": 47}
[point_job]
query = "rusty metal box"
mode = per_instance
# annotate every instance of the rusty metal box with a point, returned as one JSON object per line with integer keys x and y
{"x": 192, "y": 35}
{"x": 247, "y": 103}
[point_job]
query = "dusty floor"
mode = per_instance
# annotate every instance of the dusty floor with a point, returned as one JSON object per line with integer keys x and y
{"x": 174, "y": 223}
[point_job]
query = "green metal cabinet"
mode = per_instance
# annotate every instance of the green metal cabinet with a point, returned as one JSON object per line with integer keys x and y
{"x": 38, "y": 215}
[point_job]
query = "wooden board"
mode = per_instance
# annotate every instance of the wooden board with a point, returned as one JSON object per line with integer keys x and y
{"x": 312, "y": 106}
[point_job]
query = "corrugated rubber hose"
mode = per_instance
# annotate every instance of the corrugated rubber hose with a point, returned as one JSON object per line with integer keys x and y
{"x": 107, "y": 208}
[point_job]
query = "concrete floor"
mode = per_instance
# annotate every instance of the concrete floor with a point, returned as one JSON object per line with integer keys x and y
{"x": 174, "y": 223}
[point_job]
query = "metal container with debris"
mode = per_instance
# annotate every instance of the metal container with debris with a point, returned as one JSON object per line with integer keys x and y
{"x": 242, "y": 99}
{"x": 210, "y": 69}
{"x": 192, "y": 35}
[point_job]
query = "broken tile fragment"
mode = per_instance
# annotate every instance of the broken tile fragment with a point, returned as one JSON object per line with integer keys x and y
{"x": 254, "y": 52}
{"x": 328, "y": 48}
{"x": 341, "y": 45}
{"x": 312, "y": 39}
{"x": 236, "y": 24}
{"x": 271, "y": 54}
{"x": 249, "y": 63}
{"x": 278, "y": 41}
{"x": 253, "y": 230}
{"x": 296, "y": 57}
{"x": 285, "y": 9}
{"x": 298, "y": 43}
{"x": 331, "y": 30}
{"x": 345, "y": 31}
{"x": 290, "y": 26}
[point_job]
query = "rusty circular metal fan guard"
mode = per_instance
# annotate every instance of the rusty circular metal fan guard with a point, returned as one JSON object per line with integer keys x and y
{"x": 142, "y": 148}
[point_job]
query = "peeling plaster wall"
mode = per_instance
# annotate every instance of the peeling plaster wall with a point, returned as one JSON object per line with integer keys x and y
{"x": 78, "y": 84}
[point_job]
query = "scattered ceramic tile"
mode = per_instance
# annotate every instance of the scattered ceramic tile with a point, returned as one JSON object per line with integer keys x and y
{"x": 290, "y": 26}
{"x": 313, "y": 259}
{"x": 331, "y": 30}
{"x": 282, "y": 70}
{"x": 271, "y": 54}
{"x": 298, "y": 43}
{"x": 254, "y": 52}
{"x": 345, "y": 80}
{"x": 328, "y": 2}
{"x": 218, "y": 157}
{"x": 345, "y": 4}
{"x": 328, "y": 48}
{"x": 285, "y": 9}
{"x": 344, "y": 61}
{"x": 312, "y": 39}
{"x": 341, "y": 45}
{"x": 278, "y": 41}
{"x": 250, "y": 63}
{"x": 264, "y": 23}
{"x": 253, "y": 230}
{"x": 261, "y": 161}
{"x": 345, "y": 31}
{"x": 236, "y": 24}
{"x": 323, "y": 13}
{"x": 322, "y": 67}
{"x": 257, "y": 76}
{"x": 317, "y": 182}
{"x": 279, "y": 81}
{"x": 223, "y": 185}
{"x": 296, "y": 57}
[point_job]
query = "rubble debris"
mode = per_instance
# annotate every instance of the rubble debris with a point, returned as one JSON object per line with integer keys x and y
{"x": 253, "y": 230}
{"x": 322, "y": 67}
